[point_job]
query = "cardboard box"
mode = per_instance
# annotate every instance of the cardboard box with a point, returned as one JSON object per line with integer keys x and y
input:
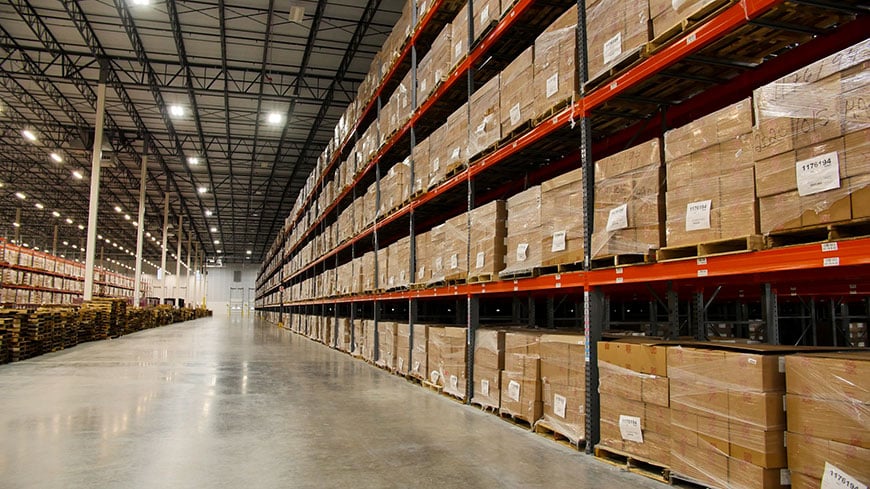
{"x": 564, "y": 409}
{"x": 644, "y": 357}
{"x": 420, "y": 159}
{"x": 419, "y": 352}
{"x": 619, "y": 381}
{"x": 437, "y": 169}
{"x": 489, "y": 349}
{"x": 455, "y": 154}
{"x": 403, "y": 348}
{"x": 517, "y": 101}
{"x": 667, "y": 14}
{"x": 761, "y": 448}
{"x": 703, "y": 464}
{"x": 562, "y": 234}
{"x": 833, "y": 376}
{"x": 844, "y": 422}
{"x": 460, "y": 38}
{"x": 487, "y": 387}
{"x": 555, "y": 79}
{"x": 387, "y": 331}
{"x": 446, "y": 359}
{"x": 764, "y": 410}
{"x": 523, "y": 231}
{"x": 486, "y": 14}
{"x": 745, "y": 475}
{"x": 485, "y": 117}
{"x": 521, "y": 391}
{"x": 722, "y": 126}
{"x": 763, "y": 371}
{"x": 807, "y": 456}
{"x": 488, "y": 230}
{"x": 616, "y": 29}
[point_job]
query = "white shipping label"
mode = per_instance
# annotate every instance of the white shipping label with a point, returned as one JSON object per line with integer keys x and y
{"x": 514, "y": 390}
{"x": 484, "y": 387}
{"x": 454, "y": 382}
{"x": 401, "y": 363}
{"x": 436, "y": 164}
{"x": 613, "y": 48}
{"x": 456, "y": 153}
{"x": 434, "y": 376}
{"x": 818, "y": 174}
{"x": 421, "y": 273}
{"x": 522, "y": 251}
{"x": 618, "y": 218}
{"x": 423, "y": 85}
{"x": 552, "y": 85}
{"x": 481, "y": 260}
{"x": 457, "y": 50}
{"x": 559, "y": 241}
{"x": 515, "y": 114}
{"x": 698, "y": 215}
{"x": 454, "y": 261}
{"x": 402, "y": 276}
{"x": 835, "y": 478}
{"x": 417, "y": 366}
{"x": 782, "y": 365}
{"x": 784, "y": 477}
{"x": 484, "y": 16}
{"x": 559, "y": 403}
{"x": 678, "y": 4}
{"x": 439, "y": 264}
{"x": 629, "y": 428}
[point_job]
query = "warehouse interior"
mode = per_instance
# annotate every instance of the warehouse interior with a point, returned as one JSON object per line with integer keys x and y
{"x": 547, "y": 243}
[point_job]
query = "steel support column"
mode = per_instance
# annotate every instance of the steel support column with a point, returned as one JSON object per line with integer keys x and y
{"x": 140, "y": 227}
{"x": 593, "y": 309}
{"x": 94, "y": 201}
{"x": 163, "y": 247}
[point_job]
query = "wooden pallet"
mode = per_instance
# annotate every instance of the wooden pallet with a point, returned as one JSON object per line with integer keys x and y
{"x": 515, "y": 274}
{"x": 819, "y": 233}
{"x": 621, "y": 260}
{"x": 431, "y": 386}
{"x": 487, "y": 408}
{"x": 552, "y": 110}
{"x": 711, "y": 248}
{"x": 631, "y": 463}
{"x": 515, "y": 419}
{"x": 690, "y": 22}
{"x": 571, "y": 266}
{"x": 522, "y": 128}
{"x": 482, "y": 278}
{"x": 686, "y": 482}
{"x": 547, "y": 431}
{"x": 628, "y": 60}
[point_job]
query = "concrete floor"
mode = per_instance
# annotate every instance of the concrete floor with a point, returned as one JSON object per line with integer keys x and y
{"x": 232, "y": 402}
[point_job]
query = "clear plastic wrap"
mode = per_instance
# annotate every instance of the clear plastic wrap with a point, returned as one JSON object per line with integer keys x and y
{"x": 403, "y": 348}
{"x": 523, "y": 231}
{"x": 419, "y": 354}
{"x": 387, "y": 341}
{"x": 370, "y": 211}
{"x": 562, "y": 234}
{"x": 563, "y": 384}
{"x": 447, "y": 359}
{"x": 436, "y": 169}
{"x": 555, "y": 78}
{"x": 517, "y": 101}
{"x": 484, "y": 121}
{"x": 459, "y": 31}
{"x": 616, "y": 30}
{"x": 400, "y": 261}
{"x": 368, "y": 344}
{"x": 487, "y": 239}
{"x": 627, "y": 199}
{"x": 486, "y": 14}
{"x": 345, "y": 328}
{"x": 437, "y": 241}
{"x": 367, "y": 272}
{"x": 728, "y": 408}
{"x": 811, "y": 143}
{"x": 454, "y": 250}
{"x": 424, "y": 258}
{"x": 435, "y": 65}
{"x": 455, "y": 150}
{"x": 420, "y": 158}
{"x": 488, "y": 364}
{"x": 383, "y": 266}
{"x": 521, "y": 377}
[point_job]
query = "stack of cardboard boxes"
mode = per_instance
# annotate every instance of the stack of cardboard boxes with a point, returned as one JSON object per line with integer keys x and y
{"x": 517, "y": 101}
{"x": 710, "y": 176}
{"x": 828, "y": 404}
{"x": 446, "y": 359}
{"x": 555, "y": 79}
{"x": 485, "y": 118}
{"x": 487, "y": 240}
{"x": 419, "y": 368}
{"x": 635, "y": 407}
{"x": 387, "y": 343}
{"x": 488, "y": 364}
{"x": 523, "y": 232}
{"x": 563, "y": 384}
{"x": 398, "y": 276}
{"x": 521, "y": 377}
{"x": 616, "y": 30}
{"x": 403, "y": 348}
{"x": 728, "y": 416}
{"x": 812, "y": 140}
{"x": 562, "y": 235}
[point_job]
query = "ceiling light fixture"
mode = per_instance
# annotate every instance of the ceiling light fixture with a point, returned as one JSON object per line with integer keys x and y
{"x": 176, "y": 110}
{"x": 69, "y": 221}
{"x": 127, "y": 217}
{"x": 78, "y": 174}
{"x": 29, "y": 135}
{"x": 39, "y": 206}
{"x": 213, "y": 229}
{"x": 217, "y": 241}
{"x": 20, "y": 195}
{"x": 117, "y": 208}
{"x": 55, "y": 213}
{"x": 56, "y": 157}
{"x": 249, "y": 252}
{"x": 207, "y": 213}
{"x": 81, "y": 227}
{"x": 202, "y": 190}
{"x": 275, "y": 118}
{"x": 18, "y": 225}
{"x": 192, "y": 160}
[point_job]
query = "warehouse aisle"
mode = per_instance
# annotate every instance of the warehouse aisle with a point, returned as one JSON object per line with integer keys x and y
{"x": 233, "y": 402}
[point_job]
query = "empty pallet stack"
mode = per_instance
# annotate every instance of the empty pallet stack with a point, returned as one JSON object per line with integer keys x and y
{"x": 828, "y": 404}
{"x": 634, "y": 405}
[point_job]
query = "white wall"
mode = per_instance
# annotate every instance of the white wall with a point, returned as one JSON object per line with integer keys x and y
{"x": 219, "y": 285}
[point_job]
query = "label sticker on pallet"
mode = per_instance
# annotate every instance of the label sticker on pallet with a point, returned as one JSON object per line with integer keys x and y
{"x": 484, "y": 387}
{"x": 515, "y": 114}
{"x": 818, "y": 174}
{"x": 454, "y": 382}
{"x": 522, "y": 251}
{"x": 613, "y": 48}
{"x": 629, "y": 428}
{"x": 552, "y": 85}
{"x": 618, "y": 218}
{"x": 484, "y": 16}
{"x": 457, "y": 50}
{"x": 454, "y": 261}
{"x": 835, "y": 478}
{"x": 514, "y": 390}
{"x": 401, "y": 363}
{"x": 559, "y": 404}
{"x": 698, "y": 215}
{"x": 417, "y": 366}
{"x": 481, "y": 260}
{"x": 559, "y": 241}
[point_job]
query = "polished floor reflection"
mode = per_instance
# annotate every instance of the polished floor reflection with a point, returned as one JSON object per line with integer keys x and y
{"x": 233, "y": 402}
